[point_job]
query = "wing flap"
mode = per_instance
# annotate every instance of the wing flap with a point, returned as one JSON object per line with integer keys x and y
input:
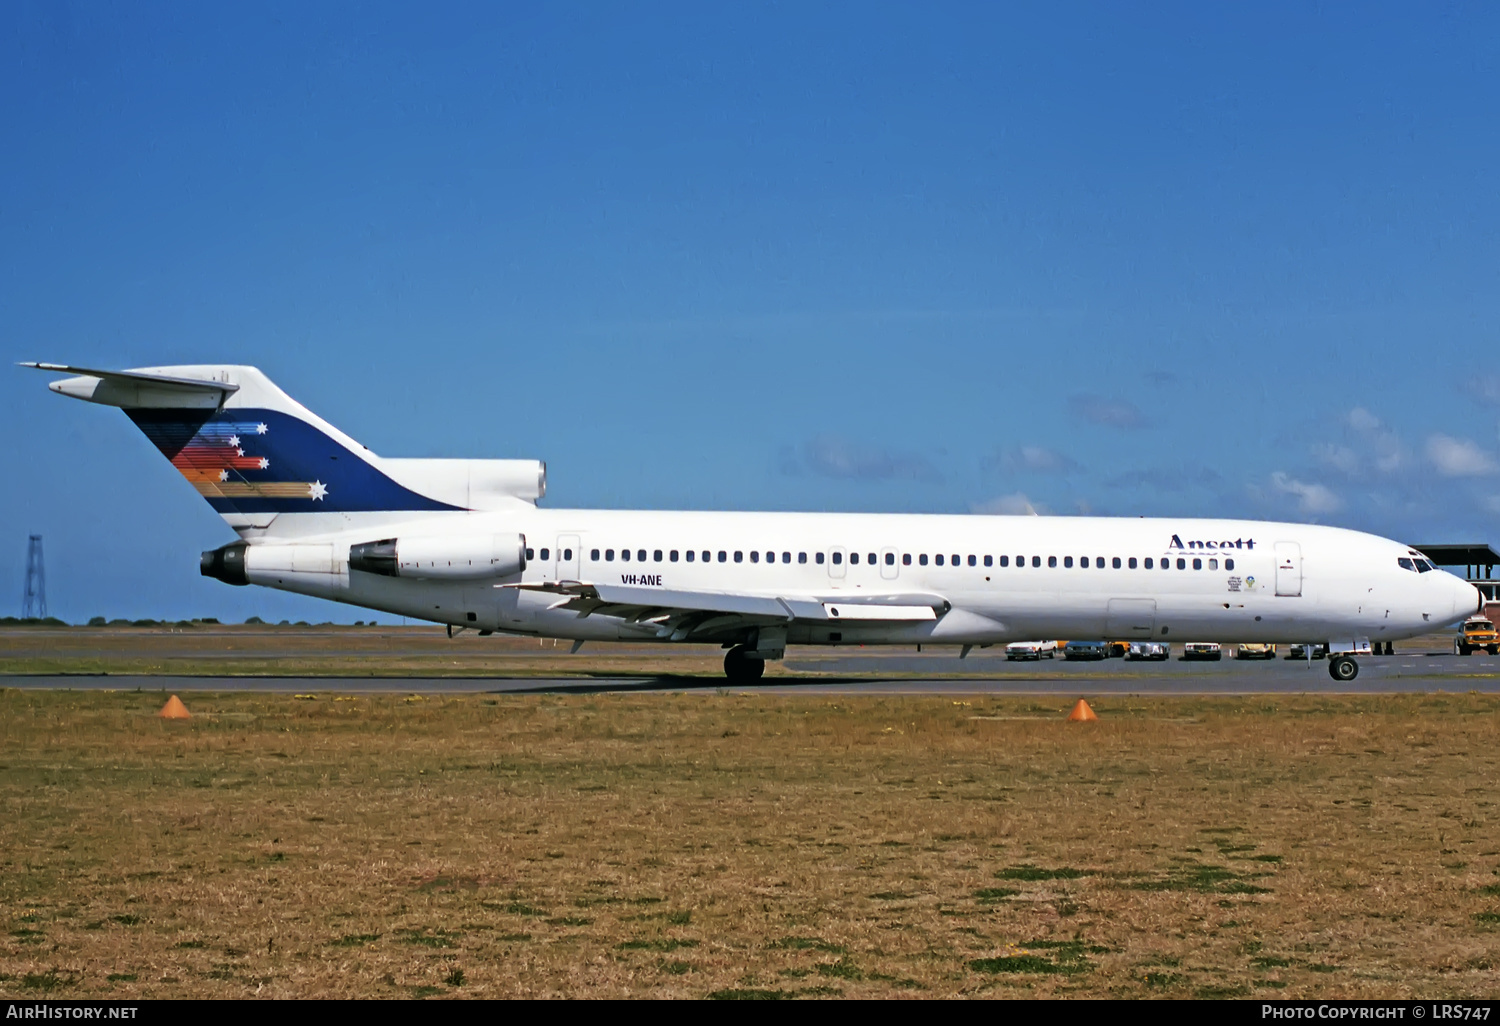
{"x": 644, "y": 603}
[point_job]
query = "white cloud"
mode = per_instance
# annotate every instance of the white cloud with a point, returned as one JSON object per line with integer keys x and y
{"x": 837, "y": 457}
{"x": 1311, "y": 498}
{"x": 1339, "y": 457}
{"x": 1108, "y": 412}
{"x": 1362, "y": 420}
{"x": 1459, "y": 457}
{"x": 1037, "y": 458}
{"x": 1012, "y": 505}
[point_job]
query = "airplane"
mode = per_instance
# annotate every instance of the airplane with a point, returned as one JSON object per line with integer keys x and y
{"x": 466, "y": 543}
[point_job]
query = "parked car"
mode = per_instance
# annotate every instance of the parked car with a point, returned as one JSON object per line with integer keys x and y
{"x": 1148, "y": 650}
{"x": 1202, "y": 650}
{"x": 1476, "y": 633}
{"x": 1031, "y": 650}
{"x": 1319, "y": 651}
{"x": 1253, "y": 651}
{"x": 1086, "y": 650}
{"x": 1118, "y": 648}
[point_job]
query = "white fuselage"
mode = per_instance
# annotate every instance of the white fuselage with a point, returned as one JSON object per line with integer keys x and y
{"x": 1001, "y": 578}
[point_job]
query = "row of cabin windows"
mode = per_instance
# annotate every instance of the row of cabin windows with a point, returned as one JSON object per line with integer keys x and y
{"x": 889, "y": 558}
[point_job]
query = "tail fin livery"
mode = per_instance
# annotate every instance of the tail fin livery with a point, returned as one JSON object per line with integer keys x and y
{"x": 254, "y": 452}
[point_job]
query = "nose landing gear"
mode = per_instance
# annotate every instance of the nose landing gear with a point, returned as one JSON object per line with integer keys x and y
{"x": 1343, "y": 668}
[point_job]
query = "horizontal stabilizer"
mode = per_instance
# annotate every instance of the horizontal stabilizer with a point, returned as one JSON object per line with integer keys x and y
{"x": 138, "y": 389}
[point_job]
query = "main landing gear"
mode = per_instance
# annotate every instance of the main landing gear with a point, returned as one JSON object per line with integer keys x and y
{"x": 1343, "y": 668}
{"x": 740, "y": 668}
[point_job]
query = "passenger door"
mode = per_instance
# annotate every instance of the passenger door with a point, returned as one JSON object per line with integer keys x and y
{"x": 1288, "y": 569}
{"x": 890, "y": 566}
{"x": 836, "y": 565}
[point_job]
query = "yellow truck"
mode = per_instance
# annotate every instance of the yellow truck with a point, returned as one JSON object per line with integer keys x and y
{"x": 1476, "y": 633}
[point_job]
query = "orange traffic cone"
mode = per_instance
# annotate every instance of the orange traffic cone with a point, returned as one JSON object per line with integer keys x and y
{"x": 1081, "y": 713}
{"x": 174, "y": 710}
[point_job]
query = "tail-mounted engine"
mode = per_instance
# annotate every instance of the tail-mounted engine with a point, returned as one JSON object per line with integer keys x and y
{"x": 445, "y": 557}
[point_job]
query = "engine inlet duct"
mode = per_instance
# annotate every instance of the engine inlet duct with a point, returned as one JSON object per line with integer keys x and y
{"x": 226, "y": 563}
{"x": 446, "y": 557}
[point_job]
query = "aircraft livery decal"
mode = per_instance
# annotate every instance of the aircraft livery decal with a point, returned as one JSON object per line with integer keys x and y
{"x": 265, "y": 461}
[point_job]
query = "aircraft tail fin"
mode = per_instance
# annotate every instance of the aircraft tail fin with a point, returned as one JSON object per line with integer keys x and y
{"x": 255, "y": 453}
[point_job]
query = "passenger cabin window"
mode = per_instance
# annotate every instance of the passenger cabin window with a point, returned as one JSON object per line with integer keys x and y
{"x": 890, "y": 559}
{"x": 973, "y": 561}
{"x": 594, "y": 555}
{"x": 1116, "y": 562}
{"x": 708, "y": 557}
{"x": 530, "y": 555}
{"x": 1132, "y": 562}
{"x": 1036, "y": 560}
{"x": 567, "y": 553}
{"x": 1228, "y": 564}
{"x": 955, "y": 560}
{"x": 818, "y": 558}
{"x": 1148, "y": 563}
{"x": 872, "y": 559}
{"x": 938, "y": 559}
{"x": 838, "y": 557}
{"x": 1181, "y": 563}
{"x": 1051, "y": 560}
{"x": 723, "y": 556}
{"x": 739, "y": 557}
{"x": 672, "y": 556}
{"x": 754, "y": 557}
{"x": 689, "y": 555}
{"x": 854, "y": 558}
{"x": 801, "y": 557}
{"x": 906, "y": 559}
{"x": 786, "y": 557}
{"x": 546, "y": 555}
{"x": 641, "y": 555}
{"x": 922, "y": 559}
{"x": 1197, "y": 564}
{"x": 1213, "y": 564}
{"x": 1067, "y": 561}
{"x": 625, "y": 555}
{"x": 656, "y": 556}
{"x": 989, "y": 560}
{"x": 1005, "y": 561}
{"x": 609, "y": 555}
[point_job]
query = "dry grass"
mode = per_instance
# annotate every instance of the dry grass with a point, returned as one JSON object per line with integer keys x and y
{"x": 715, "y": 844}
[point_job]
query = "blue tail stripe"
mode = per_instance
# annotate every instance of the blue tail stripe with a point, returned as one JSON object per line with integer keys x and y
{"x": 266, "y": 461}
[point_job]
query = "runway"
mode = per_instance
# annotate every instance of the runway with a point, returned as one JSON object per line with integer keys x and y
{"x": 881, "y": 675}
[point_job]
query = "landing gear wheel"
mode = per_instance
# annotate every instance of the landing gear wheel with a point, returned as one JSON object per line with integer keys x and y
{"x": 740, "y": 668}
{"x": 1342, "y": 668}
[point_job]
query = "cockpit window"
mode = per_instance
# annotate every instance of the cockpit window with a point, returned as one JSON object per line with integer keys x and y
{"x": 1405, "y": 563}
{"x": 1423, "y": 566}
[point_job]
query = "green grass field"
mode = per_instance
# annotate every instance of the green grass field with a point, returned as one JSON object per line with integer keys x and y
{"x": 748, "y": 846}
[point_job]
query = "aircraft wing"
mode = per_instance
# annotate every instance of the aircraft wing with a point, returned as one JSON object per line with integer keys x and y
{"x": 682, "y": 614}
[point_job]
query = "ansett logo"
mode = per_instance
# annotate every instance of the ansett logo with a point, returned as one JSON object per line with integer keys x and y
{"x": 1238, "y": 543}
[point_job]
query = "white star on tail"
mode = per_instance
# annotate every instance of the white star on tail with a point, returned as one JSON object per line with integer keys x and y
{"x": 223, "y": 475}
{"x": 264, "y": 463}
{"x": 234, "y": 441}
{"x": 317, "y": 490}
{"x": 261, "y": 429}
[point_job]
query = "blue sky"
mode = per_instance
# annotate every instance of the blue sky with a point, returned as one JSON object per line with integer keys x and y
{"x": 1130, "y": 259}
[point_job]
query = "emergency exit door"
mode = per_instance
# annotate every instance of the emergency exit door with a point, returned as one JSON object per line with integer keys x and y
{"x": 1288, "y": 569}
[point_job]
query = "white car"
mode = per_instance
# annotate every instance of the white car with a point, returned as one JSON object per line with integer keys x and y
{"x": 1031, "y": 650}
{"x": 1148, "y": 650}
{"x": 1202, "y": 650}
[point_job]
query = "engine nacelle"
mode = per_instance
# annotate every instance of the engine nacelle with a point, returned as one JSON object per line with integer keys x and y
{"x": 442, "y": 557}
